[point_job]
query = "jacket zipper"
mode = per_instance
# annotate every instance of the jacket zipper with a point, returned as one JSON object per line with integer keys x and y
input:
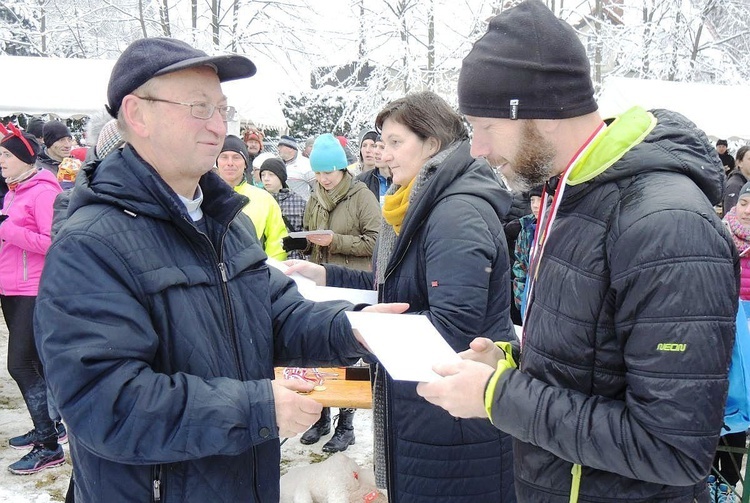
{"x": 227, "y": 302}
{"x": 2, "y": 243}
{"x": 25, "y": 267}
{"x": 398, "y": 262}
{"x": 233, "y": 334}
{"x": 156, "y": 483}
{"x": 222, "y": 268}
{"x": 575, "y": 484}
{"x": 389, "y": 475}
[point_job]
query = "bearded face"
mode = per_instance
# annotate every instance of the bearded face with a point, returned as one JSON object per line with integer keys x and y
{"x": 533, "y": 163}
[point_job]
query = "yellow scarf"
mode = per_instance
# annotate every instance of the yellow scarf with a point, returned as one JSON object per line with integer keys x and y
{"x": 395, "y": 206}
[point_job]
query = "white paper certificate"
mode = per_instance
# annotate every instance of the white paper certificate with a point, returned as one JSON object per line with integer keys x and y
{"x": 406, "y": 344}
{"x": 304, "y": 234}
{"x": 311, "y": 291}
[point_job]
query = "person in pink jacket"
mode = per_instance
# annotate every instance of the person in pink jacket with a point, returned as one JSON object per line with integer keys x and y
{"x": 25, "y": 225}
{"x": 737, "y": 219}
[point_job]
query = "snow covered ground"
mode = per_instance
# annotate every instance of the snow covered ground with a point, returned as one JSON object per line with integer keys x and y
{"x": 50, "y": 485}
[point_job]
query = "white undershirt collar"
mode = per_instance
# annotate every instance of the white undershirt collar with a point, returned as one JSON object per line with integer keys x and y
{"x": 193, "y": 206}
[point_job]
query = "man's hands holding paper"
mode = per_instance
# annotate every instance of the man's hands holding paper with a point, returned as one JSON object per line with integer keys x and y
{"x": 460, "y": 391}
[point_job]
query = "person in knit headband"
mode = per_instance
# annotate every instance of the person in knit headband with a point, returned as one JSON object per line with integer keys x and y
{"x": 631, "y": 292}
{"x": 25, "y": 235}
{"x": 20, "y": 152}
{"x": 23, "y": 146}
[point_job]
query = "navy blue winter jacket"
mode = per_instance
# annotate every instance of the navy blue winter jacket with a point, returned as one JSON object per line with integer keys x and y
{"x": 159, "y": 341}
{"x": 450, "y": 263}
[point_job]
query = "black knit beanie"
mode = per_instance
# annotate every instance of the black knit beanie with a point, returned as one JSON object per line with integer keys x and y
{"x": 35, "y": 127}
{"x": 367, "y": 134}
{"x": 26, "y": 151}
{"x": 277, "y": 167}
{"x": 529, "y": 65}
{"x": 536, "y": 191}
{"x": 53, "y": 131}
{"x": 234, "y": 144}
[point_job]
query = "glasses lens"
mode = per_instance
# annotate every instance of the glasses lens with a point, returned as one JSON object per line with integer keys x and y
{"x": 202, "y": 110}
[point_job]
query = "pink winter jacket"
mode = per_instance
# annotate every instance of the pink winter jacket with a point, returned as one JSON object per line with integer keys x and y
{"x": 25, "y": 234}
{"x": 745, "y": 277}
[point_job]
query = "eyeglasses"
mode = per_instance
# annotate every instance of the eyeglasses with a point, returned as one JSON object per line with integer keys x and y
{"x": 200, "y": 110}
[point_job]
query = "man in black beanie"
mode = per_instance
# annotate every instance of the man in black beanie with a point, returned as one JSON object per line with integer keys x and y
{"x": 632, "y": 287}
{"x": 261, "y": 207}
{"x": 35, "y": 128}
{"x": 58, "y": 142}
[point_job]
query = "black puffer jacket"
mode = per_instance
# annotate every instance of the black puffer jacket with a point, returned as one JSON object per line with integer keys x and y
{"x": 629, "y": 332}
{"x": 370, "y": 179}
{"x": 159, "y": 341}
{"x": 450, "y": 264}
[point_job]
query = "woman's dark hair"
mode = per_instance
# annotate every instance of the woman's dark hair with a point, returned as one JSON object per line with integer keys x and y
{"x": 427, "y": 115}
{"x": 741, "y": 152}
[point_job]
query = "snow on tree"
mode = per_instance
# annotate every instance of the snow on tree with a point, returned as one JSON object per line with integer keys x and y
{"x": 405, "y": 45}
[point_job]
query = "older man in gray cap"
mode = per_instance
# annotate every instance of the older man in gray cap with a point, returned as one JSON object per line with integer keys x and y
{"x": 159, "y": 322}
{"x": 619, "y": 392}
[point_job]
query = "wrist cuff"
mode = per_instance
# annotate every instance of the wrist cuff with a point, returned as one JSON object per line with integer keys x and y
{"x": 489, "y": 392}
{"x": 507, "y": 348}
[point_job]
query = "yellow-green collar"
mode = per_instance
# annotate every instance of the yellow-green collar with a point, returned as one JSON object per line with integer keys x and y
{"x": 625, "y": 132}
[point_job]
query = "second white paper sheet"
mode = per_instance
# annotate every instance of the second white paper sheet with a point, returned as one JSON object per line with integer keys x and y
{"x": 406, "y": 344}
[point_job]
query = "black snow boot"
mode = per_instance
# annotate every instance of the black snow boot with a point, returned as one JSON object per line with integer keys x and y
{"x": 343, "y": 437}
{"x": 321, "y": 427}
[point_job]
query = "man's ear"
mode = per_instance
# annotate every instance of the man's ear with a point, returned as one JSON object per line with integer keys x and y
{"x": 135, "y": 113}
{"x": 547, "y": 127}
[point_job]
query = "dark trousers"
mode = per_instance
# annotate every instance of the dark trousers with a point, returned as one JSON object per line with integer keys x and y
{"x": 24, "y": 364}
{"x": 728, "y": 464}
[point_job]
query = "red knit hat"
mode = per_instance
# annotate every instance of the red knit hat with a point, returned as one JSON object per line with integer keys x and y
{"x": 253, "y": 134}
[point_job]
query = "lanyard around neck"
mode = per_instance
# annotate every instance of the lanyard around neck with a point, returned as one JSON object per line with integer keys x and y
{"x": 546, "y": 218}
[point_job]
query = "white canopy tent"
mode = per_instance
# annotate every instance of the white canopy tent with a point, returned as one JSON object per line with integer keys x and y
{"x": 78, "y": 87}
{"x": 720, "y": 111}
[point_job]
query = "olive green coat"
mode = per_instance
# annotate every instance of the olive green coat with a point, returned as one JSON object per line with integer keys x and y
{"x": 355, "y": 222}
